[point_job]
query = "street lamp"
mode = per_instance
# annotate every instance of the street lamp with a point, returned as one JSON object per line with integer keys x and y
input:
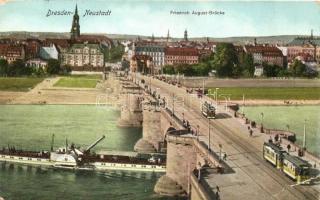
{"x": 198, "y": 129}
{"x": 242, "y": 103}
{"x": 220, "y": 151}
{"x": 304, "y": 135}
{"x": 226, "y": 100}
{"x": 172, "y": 104}
{"x": 209, "y": 135}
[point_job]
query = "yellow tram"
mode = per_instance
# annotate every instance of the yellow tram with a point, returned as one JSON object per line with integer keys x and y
{"x": 292, "y": 166}
{"x": 296, "y": 168}
{"x": 273, "y": 154}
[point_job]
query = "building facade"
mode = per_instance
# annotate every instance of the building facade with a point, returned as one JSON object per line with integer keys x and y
{"x": 181, "y": 55}
{"x": 12, "y": 52}
{"x": 265, "y": 54}
{"x": 142, "y": 63}
{"x": 84, "y": 55}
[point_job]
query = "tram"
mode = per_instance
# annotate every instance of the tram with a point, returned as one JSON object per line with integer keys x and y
{"x": 273, "y": 154}
{"x": 293, "y": 166}
{"x": 208, "y": 110}
{"x": 296, "y": 168}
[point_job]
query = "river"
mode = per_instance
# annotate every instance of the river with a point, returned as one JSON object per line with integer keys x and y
{"x": 292, "y": 118}
{"x": 31, "y": 127}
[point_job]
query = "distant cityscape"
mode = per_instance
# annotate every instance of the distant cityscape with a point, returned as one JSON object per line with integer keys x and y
{"x": 91, "y": 52}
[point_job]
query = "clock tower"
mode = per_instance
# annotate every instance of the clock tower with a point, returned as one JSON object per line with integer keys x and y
{"x": 75, "y": 29}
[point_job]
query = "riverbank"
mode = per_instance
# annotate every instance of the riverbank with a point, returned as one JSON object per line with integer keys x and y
{"x": 267, "y": 102}
{"x": 287, "y": 120}
{"x": 47, "y": 93}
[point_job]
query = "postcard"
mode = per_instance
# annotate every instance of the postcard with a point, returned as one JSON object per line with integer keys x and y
{"x": 159, "y": 99}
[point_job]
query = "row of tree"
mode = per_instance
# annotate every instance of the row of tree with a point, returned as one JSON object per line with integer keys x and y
{"x": 19, "y": 68}
{"x": 227, "y": 62}
{"x": 114, "y": 54}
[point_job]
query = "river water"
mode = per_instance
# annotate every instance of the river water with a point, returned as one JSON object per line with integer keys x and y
{"x": 292, "y": 118}
{"x": 31, "y": 126}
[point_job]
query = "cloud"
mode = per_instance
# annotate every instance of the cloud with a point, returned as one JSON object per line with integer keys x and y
{"x": 2, "y": 2}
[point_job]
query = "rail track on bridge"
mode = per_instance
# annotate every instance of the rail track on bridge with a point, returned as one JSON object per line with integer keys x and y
{"x": 301, "y": 192}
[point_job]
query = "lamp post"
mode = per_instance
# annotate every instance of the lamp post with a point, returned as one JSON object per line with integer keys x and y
{"x": 198, "y": 129}
{"x": 220, "y": 151}
{"x": 172, "y": 104}
{"x": 242, "y": 103}
{"x": 209, "y": 149}
{"x": 217, "y": 96}
{"x": 304, "y": 134}
{"x": 203, "y": 83}
{"x": 226, "y": 101}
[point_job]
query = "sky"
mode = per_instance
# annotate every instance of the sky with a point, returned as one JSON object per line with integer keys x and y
{"x": 147, "y": 17}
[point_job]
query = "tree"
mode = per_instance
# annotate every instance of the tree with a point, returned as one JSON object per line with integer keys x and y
{"x": 201, "y": 69}
{"x": 297, "y": 68}
{"x": 168, "y": 69}
{"x": 65, "y": 69}
{"x": 185, "y": 69}
{"x": 225, "y": 59}
{"x": 3, "y": 67}
{"x": 246, "y": 65}
{"x": 19, "y": 68}
{"x": 53, "y": 66}
{"x": 270, "y": 70}
{"x": 114, "y": 54}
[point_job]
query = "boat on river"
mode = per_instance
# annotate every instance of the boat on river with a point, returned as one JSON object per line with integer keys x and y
{"x": 72, "y": 158}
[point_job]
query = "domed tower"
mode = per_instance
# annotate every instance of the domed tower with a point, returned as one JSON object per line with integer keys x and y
{"x": 75, "y": 29}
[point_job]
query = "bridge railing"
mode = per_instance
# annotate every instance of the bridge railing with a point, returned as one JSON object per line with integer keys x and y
{"x": 202, "y": 186}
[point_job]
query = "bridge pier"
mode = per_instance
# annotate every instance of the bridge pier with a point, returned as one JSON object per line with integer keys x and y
{"x": 131, "y": 110}
{"x": 181, "y": 161}
{"x": 151, "y": 133}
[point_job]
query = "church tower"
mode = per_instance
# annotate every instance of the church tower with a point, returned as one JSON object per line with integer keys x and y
{"x": 75, "y": 29}
{"x": 186, "y": 35}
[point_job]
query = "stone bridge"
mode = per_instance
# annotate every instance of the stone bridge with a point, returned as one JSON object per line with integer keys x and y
{"x": 164, "y": 132}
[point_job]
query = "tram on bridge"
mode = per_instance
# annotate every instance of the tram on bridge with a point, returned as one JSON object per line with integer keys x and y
{"x": 208, "y": 110}
{"x": 293, "y": 166}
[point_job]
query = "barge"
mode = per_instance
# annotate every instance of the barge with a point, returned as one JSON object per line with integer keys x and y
{"x": 69, "y": 157}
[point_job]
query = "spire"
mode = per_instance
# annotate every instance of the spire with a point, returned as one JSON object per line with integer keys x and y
{"x": 186, "y": 35}
{"x": 75, "y": 29}
{"x": 168, "y": 35}
{"x": 76, "y": 11}
{"x": 311, "y": 34}
{"x": 152, "y": 38}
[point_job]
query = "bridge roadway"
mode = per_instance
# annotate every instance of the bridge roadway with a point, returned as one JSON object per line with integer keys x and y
{"x": 253, "y": 177}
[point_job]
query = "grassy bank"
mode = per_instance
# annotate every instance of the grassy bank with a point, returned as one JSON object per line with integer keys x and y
{"x": 270, "y": 93}
{"x": 18, "y": 84}
{"x": 79, "y": 81}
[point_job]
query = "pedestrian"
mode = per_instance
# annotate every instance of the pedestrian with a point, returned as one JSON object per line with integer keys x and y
{"x": 218, "y": 189}
{"x": 225, "y": 156}
{"x": 276, "y": 138}
{"x": 270, "y": 139}
{"x": 288, "y": 147}
{"x": 217, "y": 195}
{"x": 251, "y": 131}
